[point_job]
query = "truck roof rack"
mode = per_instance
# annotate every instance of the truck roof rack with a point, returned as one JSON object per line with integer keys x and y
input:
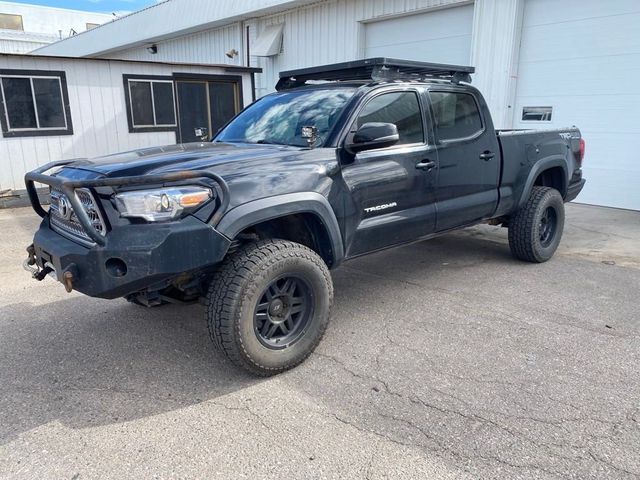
{"x": 375, "y": 69}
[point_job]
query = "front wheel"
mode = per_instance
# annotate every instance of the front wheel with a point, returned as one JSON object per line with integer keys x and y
{"x": 269, "y": 305}
{"x": 536, "y": 228}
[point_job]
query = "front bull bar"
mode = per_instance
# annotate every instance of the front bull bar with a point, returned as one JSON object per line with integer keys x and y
{"x": 68, "y": 187}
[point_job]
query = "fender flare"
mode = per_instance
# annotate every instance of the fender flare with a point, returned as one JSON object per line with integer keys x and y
{"x": 537, "y": 169}
{"x": 257, "y": 211}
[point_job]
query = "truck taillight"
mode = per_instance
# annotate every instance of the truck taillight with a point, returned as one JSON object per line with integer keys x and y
{"x": 581, "y": 153}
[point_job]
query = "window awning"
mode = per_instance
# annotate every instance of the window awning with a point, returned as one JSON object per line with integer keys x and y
{"x": 269, "y": 42}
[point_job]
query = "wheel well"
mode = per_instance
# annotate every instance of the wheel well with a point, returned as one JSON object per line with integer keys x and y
{"x": 304, "y": 228}
{"x": 554, "y": 178}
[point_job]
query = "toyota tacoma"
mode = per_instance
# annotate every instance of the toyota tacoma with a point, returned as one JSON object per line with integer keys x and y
{"x": 341, "y": 161}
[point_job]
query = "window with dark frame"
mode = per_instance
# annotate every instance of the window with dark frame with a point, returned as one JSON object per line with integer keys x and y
{"x": 34, "y": 103}
{"x": 150, "y": 104}
{"x": 10, "y": 21}
{"x": 399, "y": 108}
{"x": 456, "y": 115}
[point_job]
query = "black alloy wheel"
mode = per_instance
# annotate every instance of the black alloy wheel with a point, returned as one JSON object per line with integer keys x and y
{"x": 547, "y": 226}
{"x": 283, "y": 312}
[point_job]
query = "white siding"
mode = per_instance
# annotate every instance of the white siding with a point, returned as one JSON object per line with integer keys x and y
{"x": 323, "y": 32}
{"x": 209, "y": 46}
{"x": 98, "y": 113}
{"x": 583, "y": 59}
{"x": 22, "y": 42}
{"x": 329, "y": 32}
{"x": 165, "y": 20}
{"x": 316, "y": 34}
{"x": 16, "y": 45}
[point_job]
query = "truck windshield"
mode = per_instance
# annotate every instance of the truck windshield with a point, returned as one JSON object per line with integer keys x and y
{"x": 279, "y": 118}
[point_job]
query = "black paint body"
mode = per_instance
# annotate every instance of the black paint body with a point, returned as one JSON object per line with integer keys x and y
{"x": 468, "y": 181}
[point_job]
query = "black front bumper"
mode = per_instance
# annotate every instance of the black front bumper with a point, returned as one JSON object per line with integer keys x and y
{"x": 130, "y": 257}
{"x": 150, "y": 253}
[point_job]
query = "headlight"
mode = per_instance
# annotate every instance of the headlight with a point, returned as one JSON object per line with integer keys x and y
{"x": 161, "y": 204}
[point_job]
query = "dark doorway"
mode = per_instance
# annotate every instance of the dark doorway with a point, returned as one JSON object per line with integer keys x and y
{"x": 205, "y": 106}
{"x": 194, "y": 111}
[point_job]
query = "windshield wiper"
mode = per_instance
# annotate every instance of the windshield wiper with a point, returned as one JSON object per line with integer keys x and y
{"x": 264, "y": 141}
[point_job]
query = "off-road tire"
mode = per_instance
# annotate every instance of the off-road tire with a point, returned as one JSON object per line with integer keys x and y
{"x": 236, "y": 290}
{"x": 527, "y": 227}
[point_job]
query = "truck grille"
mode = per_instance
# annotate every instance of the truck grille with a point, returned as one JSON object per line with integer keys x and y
{"x": 63, "y": 219}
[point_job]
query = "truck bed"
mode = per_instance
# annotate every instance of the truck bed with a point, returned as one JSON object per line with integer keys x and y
{"x": 524, "y": 152}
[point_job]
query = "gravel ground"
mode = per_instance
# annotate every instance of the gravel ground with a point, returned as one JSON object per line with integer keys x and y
{"x": 444, "y": 359}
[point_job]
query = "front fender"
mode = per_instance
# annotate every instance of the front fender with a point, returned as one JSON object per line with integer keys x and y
{"x": 258, "y": 211}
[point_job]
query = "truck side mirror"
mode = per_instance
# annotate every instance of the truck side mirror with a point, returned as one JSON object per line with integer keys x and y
{"x": 373, "y": 135}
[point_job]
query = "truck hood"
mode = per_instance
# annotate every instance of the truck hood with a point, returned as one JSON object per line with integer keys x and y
{"x": 251, "y": 171}
{"x": 189, "y": 156}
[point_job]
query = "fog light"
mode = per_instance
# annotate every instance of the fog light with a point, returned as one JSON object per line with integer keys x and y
{"x": 116, "y": 267}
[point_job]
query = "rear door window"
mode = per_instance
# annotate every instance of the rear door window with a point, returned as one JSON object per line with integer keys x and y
{"x": 456, "y": 115}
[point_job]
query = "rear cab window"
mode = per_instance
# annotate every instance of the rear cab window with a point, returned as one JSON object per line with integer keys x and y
{"x": 456, "y": 115}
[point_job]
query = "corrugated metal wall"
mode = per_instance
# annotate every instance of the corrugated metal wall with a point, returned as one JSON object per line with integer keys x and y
{"x": 323, "y": 32}
{"x": 98, "y": 114}
{"x": 328, "y": 32}
{"x": 8, "y": 45}
{"x": 205, "y": 47}
{"x": 23, "y": 42}
{"x": 164, "y": 20}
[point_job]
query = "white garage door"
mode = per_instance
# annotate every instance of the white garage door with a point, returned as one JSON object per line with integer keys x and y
{"x": 441, "y": 36}
{"x": 582, "y": 59}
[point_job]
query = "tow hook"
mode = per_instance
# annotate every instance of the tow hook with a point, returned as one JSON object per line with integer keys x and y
{"x": 31, "y": 266}
{"x": 40, "y": 275}
{"x": 30, "y": 263}
{"x": 68, "y": 276}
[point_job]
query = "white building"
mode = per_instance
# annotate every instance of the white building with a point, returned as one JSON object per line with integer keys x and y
{"x": 61, "y": 108}
{"x": 540, "y": 63}
{"x": 24, "y": 27}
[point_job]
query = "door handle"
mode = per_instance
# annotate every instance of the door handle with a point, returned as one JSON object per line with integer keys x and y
{"x": 426, "y": 165}
{"x": 487, "y": 155}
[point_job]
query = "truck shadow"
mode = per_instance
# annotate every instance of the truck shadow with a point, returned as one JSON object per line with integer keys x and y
{"x": 87, "y": 362}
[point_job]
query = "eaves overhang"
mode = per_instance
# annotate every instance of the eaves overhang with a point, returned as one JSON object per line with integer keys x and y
{"x": 163, "y": 21}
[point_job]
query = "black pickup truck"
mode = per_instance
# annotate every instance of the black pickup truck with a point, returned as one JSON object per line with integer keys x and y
{"x": 343, "y": 160}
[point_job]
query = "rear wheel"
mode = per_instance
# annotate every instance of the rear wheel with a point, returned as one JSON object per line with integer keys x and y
{"x": 536, "y": 228}
{"x": 269, "y": 305}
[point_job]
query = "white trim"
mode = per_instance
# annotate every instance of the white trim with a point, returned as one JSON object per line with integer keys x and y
{"x": 35, "y": 107}
{"x": 4, "y": 103}
{"x": 153, "y": 105}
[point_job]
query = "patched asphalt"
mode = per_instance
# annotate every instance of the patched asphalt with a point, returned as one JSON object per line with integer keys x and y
{"x": 444, "y": 359}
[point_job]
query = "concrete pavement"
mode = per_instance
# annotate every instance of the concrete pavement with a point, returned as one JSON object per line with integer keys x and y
{"x": 444, "y": 359}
